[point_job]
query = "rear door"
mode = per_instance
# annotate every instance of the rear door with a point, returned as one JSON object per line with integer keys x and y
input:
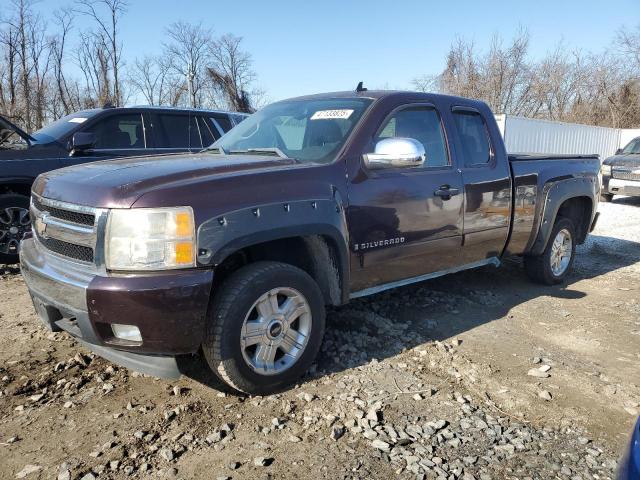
{"x": 401, "y": 226}
{"x": 487, "y": 184}
{"x": 177, "y": 132}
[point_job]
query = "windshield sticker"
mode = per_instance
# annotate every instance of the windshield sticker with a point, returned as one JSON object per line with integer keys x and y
{"x": 343, "y": 113}
{"x": 78, "y": 120}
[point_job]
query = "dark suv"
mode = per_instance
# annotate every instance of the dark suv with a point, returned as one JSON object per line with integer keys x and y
{"x": 87, "y": 136}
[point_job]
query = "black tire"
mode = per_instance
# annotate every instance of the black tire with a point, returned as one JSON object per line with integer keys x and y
{"x": 606, "y": 197}
{"x": 538, "y": 267}
{"x": 8, "y": 203}
{"x": 230, "y": 306}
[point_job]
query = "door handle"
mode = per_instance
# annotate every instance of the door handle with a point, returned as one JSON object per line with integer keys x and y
{"x": 446, "y": 192}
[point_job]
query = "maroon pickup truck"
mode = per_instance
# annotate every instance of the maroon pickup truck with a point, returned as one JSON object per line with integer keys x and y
{"x": 235, "y": 251}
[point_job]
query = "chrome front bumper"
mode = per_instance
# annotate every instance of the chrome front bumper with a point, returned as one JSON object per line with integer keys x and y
{"x": 618, "y": 186}
{"x": 58, "y": 290}
{"x": 60, "y": 283}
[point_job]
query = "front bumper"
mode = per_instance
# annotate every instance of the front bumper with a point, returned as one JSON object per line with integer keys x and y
{"x": 617, "y": 186}
{"x": 169, "y": 309}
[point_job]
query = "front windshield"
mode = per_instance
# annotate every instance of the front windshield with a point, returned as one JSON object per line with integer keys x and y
{"x": 62, "y": 127}
{"x": 632, "y": 147}
{"x": 307, "y": 130}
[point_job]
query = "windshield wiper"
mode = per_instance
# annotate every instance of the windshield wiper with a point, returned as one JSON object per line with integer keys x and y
{"x": 263, "y": 150}
{"x": 218, "y": 150}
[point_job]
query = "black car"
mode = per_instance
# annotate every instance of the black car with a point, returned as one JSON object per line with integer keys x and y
{"x": 88, "y": 136}
{"x": 621, "y": 172}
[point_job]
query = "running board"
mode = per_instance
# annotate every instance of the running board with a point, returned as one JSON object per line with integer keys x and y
{"x": 400, "y": 283}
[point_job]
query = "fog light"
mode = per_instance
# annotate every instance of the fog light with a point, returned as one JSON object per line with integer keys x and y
{"x": 126, "y": 332}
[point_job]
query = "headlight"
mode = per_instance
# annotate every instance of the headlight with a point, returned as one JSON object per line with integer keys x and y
{"x": 150, "y": 239}
{"x": 605, "y": 169}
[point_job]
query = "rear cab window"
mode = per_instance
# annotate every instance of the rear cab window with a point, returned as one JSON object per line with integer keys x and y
{"x": 473, "y": 136}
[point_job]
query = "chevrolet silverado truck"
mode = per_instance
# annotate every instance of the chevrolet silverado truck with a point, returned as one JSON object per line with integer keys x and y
{"x": 621, "y": 172}
{"x": 87, "y": 136}
{"x": 236, "y": 251}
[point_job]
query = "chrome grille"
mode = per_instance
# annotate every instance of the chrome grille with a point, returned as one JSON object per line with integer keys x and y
{"x": 626, "y": 174}
{"x": 68, "y": 215}
{"x": 65, "y": 229}
{"x": 77, "y": 252}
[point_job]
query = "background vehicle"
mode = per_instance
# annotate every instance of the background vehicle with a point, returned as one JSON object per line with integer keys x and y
{"x": 621, "y": 173}
{"x": 88, "y": 136}
{"x": 309, "y": 202}
{"x": 629, "y": 467}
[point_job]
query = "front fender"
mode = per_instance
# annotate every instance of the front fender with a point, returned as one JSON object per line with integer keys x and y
{"x": 223, "y": 235}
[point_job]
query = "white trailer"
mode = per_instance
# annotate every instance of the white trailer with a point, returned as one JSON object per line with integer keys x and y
{"x": 529, "y": 135}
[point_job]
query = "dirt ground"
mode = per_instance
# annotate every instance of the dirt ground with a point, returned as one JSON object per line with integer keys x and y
{"x": 427, "y": 381}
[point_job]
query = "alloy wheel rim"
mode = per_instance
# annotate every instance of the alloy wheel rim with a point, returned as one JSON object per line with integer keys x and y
{"x": 561, "y": 251}
{"x": 14, "y": 224}
{"x": 276, "y": 331}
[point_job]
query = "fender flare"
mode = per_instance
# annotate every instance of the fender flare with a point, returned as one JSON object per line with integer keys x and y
{"x": 555, "y": 195}
{"x": 219, "y": 237}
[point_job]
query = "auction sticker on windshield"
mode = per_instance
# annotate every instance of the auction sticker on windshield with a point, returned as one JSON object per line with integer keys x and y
{"x": 78, "y": 120}
{"x": 342, "y": 113}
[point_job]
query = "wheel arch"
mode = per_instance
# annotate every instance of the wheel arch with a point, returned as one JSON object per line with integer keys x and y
{"x": 19, "y": 185}
{"x": 310, "y": 235}
{"x": 571, "y": 198}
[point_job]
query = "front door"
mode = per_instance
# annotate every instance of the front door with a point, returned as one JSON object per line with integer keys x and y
{"x": 117, "y": 135}
{"x": 402, "y": 222}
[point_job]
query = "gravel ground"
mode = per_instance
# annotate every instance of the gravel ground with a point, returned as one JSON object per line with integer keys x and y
{"x": 478, "y": 375}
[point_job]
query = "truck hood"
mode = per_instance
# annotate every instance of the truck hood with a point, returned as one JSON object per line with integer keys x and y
{"x": 631, "y": 160}
{"x": 119, "y": 183}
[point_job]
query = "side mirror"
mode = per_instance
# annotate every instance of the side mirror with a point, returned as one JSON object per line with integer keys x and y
{"x": 618, "y": 151}
{"x": 396, "y": 153}
{"x": 82, "y": 141}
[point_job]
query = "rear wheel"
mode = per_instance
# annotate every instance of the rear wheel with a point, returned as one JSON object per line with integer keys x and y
{"x": 14, "y": 223}
{"x": 606, "y": 197}
{"x": 553, "y": 265}
{"x": 265, "y": 327}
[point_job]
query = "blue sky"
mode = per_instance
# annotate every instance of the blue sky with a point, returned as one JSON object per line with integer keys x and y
{"x": 303, "y": 47}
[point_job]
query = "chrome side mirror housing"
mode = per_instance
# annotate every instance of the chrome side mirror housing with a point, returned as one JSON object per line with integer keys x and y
{"x": 396, "y": 152}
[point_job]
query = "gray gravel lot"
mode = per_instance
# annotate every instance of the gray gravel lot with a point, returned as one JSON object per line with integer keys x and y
{"x": 478, "y": 375}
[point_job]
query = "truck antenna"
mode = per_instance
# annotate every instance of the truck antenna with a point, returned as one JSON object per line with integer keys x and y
{"x": 361, "y": 88}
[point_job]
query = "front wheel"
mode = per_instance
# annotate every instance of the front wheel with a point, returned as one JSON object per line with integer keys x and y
{"x": 265, "y": 327}
{"x": 14, "y": 223}
{"x": 553, "y": 265}
{"x": 606, "y": 197}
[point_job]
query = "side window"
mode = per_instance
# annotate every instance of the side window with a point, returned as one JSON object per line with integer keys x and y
{"x": 208, "y": 132}
{"x": 119, "y": 132}
{"x": 474, "y": 138}
{"x": 422, "y": 124}
{"x": 237, "y": 118}
{"x": 224, "y": 122}
{"x": 179, "y": 131}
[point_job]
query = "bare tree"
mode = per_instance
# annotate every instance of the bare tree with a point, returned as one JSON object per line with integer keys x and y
{"x": 107, "y": 35}
{"x": 231, "y": 72}
{"x": 628, "y": 43}
{"x": 155, "y": 80}
{"x": 63, "y": 21}
{"x": 9, "y": 72}
{"x": 188, "y": 51}
{"x": 568, "y": 86}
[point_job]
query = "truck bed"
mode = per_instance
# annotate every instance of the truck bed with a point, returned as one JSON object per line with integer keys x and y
{"x": 536, "y": 178}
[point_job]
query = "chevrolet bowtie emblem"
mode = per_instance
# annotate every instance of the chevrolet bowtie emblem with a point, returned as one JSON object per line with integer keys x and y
{"x": 41, "y": 225}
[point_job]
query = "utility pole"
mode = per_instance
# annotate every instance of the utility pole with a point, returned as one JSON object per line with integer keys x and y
{"x": 190, "y": 76}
